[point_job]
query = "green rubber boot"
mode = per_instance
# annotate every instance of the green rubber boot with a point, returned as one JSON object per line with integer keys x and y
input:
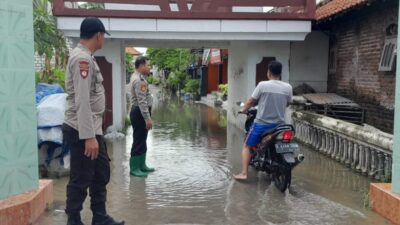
{"x": 135, "y": 164}
{"x": 144, "y": 167}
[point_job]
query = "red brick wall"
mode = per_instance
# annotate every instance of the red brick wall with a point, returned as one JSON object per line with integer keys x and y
{"x": 358, "y": 38}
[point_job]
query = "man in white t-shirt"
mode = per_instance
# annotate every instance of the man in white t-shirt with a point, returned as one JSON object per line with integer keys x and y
{"x": 273, "y": 97}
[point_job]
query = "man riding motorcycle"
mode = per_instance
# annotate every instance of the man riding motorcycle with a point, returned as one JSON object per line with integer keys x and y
{"x": 273, "y": 97}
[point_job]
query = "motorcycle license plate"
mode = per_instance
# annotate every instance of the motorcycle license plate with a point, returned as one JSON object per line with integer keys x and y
{"x": 286, "y": 147}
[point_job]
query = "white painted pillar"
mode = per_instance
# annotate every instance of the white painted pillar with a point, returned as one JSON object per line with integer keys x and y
{"x": 113, "y": 51}
{"x": 243, "y": 59}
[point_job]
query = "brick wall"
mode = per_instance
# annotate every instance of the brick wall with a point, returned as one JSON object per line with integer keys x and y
{"x": 358, "y": 38}
{"x": 40, "y": 61}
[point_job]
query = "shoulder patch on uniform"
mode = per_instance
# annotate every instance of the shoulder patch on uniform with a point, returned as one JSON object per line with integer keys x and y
{"x": 84, "y": 68}
{"x": 143, "y": 87}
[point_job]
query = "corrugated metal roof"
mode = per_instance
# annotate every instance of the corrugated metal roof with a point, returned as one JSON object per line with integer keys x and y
{"x": 329, "y": 99}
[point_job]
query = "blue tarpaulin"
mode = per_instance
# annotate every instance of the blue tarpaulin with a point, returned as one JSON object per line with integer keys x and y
{"x": 43, "y": 90}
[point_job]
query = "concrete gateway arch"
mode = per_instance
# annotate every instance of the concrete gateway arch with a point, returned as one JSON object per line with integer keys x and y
{"x": 250, "y": 30}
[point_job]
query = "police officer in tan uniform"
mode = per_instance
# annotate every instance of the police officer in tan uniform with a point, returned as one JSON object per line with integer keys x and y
{"x": 140, "y": 116}
{"x": 82, "y": 129}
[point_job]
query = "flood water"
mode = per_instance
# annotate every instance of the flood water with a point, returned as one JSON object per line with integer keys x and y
{"x": 195, "y": 153}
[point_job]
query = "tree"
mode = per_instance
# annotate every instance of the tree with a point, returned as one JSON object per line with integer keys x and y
{"x": 130, "y": 68}
{"x": 49, "y": 41}
{"x": 173, "y": 59}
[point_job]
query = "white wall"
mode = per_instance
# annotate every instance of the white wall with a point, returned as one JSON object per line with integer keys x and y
{"x": 278, "y": 49}
{"x": 243, "y": 59}
{"x": 113, "y": 53}
{"x": 309, "y": 61}
{"x": 175, "y": 29}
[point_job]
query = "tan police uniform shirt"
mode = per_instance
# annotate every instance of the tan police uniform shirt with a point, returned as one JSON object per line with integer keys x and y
{"x": 140, "y": 95}
{"x": 86, "y": 96}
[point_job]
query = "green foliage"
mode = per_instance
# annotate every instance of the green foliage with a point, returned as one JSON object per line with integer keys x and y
{"x": 40, "y": 5}
{"x": 174, "y": 59}
{"x": 57, "y": 76}
{"x": 37, "y": 77}
{"x": 90, "y": 5}
{"x": 47, "y": 36}
{"x": 224, "y": 89}
{"x": 176, "y": 80}
{"x": 153, "y": 80}
{"x": 157, "y": 81}
{"x": 150, "y": 79}
{"x": 49, "y": 41}
{"x": 130, "y": 67}
{"x": 173, "y": 82}
{"x": 192, "y": 86}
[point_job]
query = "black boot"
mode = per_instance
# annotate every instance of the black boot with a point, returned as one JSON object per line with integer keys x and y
{"x": 74, "y": 219}
{"x": 101, "y": 218}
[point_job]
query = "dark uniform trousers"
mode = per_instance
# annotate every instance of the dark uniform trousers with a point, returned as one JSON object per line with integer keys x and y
{"x": 86, "y": 173}
{"x": 139, "y": 146}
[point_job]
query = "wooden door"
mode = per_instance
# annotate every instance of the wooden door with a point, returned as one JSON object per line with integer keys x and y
{"x": 213, "y": 77}
{"x": 106, "y": 71}
{"x": 262, "y": 69}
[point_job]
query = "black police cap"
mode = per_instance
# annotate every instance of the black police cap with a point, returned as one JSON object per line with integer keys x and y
{"x": 92, "y": 25}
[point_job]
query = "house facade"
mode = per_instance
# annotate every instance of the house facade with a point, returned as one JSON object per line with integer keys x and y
{"x": 362, "y": 54}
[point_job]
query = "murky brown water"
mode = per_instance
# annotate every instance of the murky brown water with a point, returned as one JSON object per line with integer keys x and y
{"x": 195, "y": 156}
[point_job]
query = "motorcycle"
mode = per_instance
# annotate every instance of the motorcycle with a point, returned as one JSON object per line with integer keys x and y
{"x": 277, "y": 154}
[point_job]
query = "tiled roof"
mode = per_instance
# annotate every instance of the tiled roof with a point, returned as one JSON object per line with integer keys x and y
{"x": 336, "y": 6}
{"x": 132, "y": 51}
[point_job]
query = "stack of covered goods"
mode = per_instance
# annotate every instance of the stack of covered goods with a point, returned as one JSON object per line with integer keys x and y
{"x": 51, "y": 104}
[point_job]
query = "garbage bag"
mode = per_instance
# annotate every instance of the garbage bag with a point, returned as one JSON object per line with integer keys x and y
{"x": 51, "y": 110}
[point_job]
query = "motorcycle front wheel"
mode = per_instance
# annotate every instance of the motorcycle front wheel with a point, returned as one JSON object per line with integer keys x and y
{"x": 282, "y": 177}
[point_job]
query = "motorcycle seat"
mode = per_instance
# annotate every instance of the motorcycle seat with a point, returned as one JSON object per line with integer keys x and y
{"x": 267, "y": 132}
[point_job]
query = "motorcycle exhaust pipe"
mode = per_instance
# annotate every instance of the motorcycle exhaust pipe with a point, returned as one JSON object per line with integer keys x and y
{"x": 300, "y": 157}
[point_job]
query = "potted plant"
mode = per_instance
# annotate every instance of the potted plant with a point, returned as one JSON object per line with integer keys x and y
{"x": 192, "y": 86}
{"x": 223, "y": 88}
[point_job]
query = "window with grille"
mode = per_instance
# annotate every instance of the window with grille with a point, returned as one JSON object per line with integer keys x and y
{"x": 388, "y": 55}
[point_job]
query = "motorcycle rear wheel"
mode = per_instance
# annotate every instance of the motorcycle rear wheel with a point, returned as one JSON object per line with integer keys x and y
{"x": 283, "y": 177}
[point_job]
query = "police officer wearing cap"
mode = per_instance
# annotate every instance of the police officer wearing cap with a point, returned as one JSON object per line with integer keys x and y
{"x": 140, "y": 118}
{"x": 82, "y": 128}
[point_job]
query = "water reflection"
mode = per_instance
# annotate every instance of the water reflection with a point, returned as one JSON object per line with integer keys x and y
{"x": 189, "y": 150}
{"x": 195, "y": 154}
{"x": 322, "y": 192}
